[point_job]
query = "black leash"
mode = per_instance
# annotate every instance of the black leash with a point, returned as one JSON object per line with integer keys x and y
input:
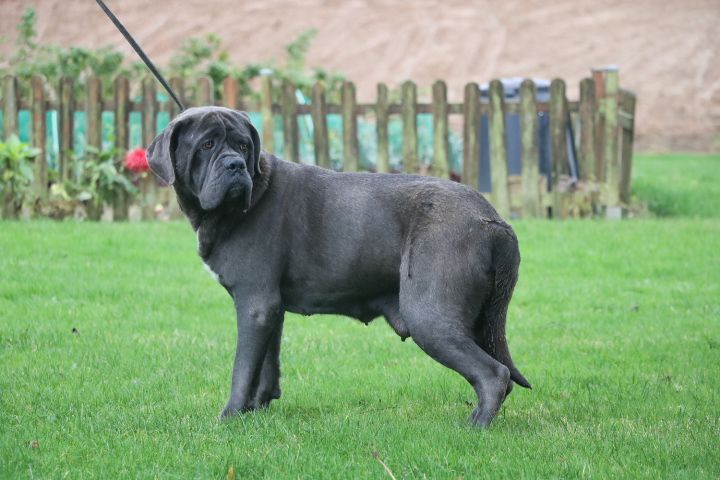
{"x": 140, "y": 52}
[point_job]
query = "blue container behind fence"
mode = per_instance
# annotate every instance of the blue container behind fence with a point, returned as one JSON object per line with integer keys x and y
{"x": 511, "y": 88}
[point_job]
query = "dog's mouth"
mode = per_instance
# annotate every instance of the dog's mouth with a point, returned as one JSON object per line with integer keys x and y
{"x": 231, "y": 189}
{"x": 240, "y": 189}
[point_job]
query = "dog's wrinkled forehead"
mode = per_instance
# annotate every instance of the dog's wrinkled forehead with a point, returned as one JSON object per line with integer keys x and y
{"x": 203, "y": 125}
{"x": 217, "y": 123}
{"x": 195, "y": 125}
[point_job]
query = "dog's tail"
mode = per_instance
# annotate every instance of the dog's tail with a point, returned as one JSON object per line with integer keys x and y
{"x": 490, "y": 326}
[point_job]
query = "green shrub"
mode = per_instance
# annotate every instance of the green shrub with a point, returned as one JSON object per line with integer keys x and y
{"x": 196, "y": 57}
{"x": 95, "y": 180}
{"x": 16, "y": 175}
{"x": 54, "y": 61}
{"x": 204, "y": 56}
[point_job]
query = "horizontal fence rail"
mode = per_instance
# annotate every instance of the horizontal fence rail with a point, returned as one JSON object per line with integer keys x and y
{"x": 597, "y": 130}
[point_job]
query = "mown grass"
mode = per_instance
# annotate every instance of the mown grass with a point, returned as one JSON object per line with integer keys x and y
{"x": 678, "y": 185}
{"x": 614, "y": 323}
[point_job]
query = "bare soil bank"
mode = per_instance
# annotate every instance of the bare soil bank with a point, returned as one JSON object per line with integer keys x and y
{"x": 667, "y": 51}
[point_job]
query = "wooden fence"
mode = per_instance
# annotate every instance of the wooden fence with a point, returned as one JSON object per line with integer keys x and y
{"x": 602, "y": 118}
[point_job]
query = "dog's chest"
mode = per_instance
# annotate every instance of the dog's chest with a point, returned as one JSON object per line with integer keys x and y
{"x": 212, "y": 273}
{"x": 209, "y": 269}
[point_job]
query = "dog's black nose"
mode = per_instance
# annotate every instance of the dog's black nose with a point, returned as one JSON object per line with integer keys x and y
{"x": 234, "y": 164}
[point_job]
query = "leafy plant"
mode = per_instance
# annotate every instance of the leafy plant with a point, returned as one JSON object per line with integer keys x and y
{"x": 204, "y": 56}
{"x": 196, "y": 57}
{"x": 95, "y": 180}
{"x": 295, "y": 68}
{"x": 16, "y": 174}
{"x": 54, "y": 61}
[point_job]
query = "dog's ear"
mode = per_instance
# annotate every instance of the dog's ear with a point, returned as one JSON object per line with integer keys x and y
{"x": 160, "y": 153}
{"x": 257, "y": 147}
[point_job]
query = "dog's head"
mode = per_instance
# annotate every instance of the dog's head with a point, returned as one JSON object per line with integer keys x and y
{"x": 211, "y": 153}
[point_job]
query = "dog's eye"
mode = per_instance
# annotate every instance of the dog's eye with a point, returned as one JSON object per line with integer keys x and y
{"x": 208, "y": 145}
{"x": 243, "y": 147}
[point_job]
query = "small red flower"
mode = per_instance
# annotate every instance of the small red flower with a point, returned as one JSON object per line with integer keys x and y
{"x": 136, "y": 160}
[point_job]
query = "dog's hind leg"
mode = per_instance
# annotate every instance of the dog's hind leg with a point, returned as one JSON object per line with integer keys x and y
{"x": 489, "y": 333}
{"x": 448, "y": 342}
{"x": 441, "y": 296}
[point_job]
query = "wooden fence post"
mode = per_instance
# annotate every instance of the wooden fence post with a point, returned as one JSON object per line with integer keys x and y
{"x": 612, "y": 157}
{"x": 230, "y": 93}
{"x": 383, "y": 137}
{"x": 122, "y": 114}
{"x": 290, "y": 127}
{"x": 205, "y": 94}
{"x": 409, "y": 119}
{"x": 10, "y": 127}
{"x": 122, "y": 139}
{"x": 149, "y": 110}
{"x": 39, "y": 136}
{"x": 178, "y": 86}
{"x": 558, "y": 131}
{"x": 587, "y": 130}
{"x": 8, "y": 208}
{"x": 268, "y": 122}
{"x": 10, "y": 106}
{"x": 529, "y": 150}
{"x": 441, "y": 146}
{"x": 66, "y": 121}
{"x": 498, "y": 151}
{"x": 351, "y": 149}
{"x": 598, "y": 76}
{"x": 149, "y": 127}
{"x": 471, "y": 136}
{"x": 628, "y": 133}
{"x": 320, "y": 129}
{"x": 93, "y": 127}
{"x": 93, "y": 112}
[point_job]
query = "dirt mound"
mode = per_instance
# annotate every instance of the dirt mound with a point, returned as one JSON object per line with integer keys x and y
{"x": 667, "y": 51}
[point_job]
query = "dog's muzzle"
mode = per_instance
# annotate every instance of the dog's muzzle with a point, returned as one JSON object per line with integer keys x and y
{"x": 233, "y": 163}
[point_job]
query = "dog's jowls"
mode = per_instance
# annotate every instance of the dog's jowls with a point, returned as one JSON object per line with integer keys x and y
{"x": 431, "y": 256}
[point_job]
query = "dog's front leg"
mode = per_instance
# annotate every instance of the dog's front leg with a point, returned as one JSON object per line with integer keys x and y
{"x": 268, "y": 388}
{"x": 257, "y": 320}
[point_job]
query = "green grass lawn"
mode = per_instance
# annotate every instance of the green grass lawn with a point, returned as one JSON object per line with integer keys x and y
{"x": 616, "y": 324}
{"x": 678, "y": 185}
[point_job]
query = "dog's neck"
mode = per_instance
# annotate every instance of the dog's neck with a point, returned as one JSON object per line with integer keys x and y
{"x": 209, "y": 224}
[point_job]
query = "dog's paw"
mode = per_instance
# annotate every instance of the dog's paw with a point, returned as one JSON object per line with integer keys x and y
{"x": 232, "y": 410}
{"x": 263, "y": 398}
{"x": 480, "y": 418}
{"x": 227, "y": 413}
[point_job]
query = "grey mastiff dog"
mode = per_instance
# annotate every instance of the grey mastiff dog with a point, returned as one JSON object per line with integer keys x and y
{"x": 431, "y": 256}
